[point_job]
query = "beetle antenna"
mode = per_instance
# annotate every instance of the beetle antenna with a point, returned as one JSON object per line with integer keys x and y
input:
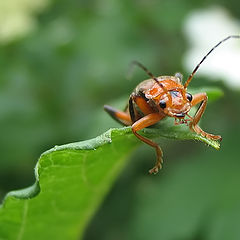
{"x": 149, "y": 74}
{"x": 197, "y": 67}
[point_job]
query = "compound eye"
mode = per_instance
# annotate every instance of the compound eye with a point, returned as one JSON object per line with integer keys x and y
{"x": 189, "y": 97}
{"x": 162, "y": 104}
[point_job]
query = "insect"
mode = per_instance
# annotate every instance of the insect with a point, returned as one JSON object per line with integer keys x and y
{"x": 160, "y": 97}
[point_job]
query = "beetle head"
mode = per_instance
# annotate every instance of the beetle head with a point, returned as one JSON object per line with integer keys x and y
{"x": 179, "y": 104}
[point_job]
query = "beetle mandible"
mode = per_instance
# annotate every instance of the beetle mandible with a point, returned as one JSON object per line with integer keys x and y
{"x": 160, "y": 97}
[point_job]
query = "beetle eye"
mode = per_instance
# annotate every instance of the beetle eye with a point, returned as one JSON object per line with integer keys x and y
{"x": 189, "y": 97}
{"x": 162, "y": 104}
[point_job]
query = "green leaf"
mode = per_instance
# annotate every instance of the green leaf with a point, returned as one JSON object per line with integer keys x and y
{"x": 72, "y": 180}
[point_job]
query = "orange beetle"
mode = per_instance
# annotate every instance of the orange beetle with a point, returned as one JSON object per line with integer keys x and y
{"x": 160, "y": 97}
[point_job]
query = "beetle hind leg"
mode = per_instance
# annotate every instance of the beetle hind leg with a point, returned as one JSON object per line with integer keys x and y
{"x": 120, "y": 116}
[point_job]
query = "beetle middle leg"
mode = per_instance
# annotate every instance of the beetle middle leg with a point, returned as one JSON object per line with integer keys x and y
{"x": 202, "y": 99}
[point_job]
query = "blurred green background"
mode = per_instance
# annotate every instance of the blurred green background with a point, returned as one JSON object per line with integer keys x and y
{"x": 61, "y": 61}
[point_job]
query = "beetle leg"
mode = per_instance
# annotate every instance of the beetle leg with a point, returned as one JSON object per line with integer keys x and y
{"x": 131, "y": 109}
{"x": 120, "y": 116}
{"x": 202, "y": 99}
{"x": 144, "y": 122}
{"x": 143, "y": 103}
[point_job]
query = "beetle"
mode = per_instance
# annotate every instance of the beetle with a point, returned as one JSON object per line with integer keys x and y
{"x": 159, "y": 97}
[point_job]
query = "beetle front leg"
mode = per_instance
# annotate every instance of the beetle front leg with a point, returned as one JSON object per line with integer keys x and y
{"x": 202, "y": 99}
{"x": 144, "y": 122}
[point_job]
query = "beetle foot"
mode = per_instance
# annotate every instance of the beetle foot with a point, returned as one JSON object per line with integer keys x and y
{"x": 155, "y": 169}
{"x": 210, "y": 136}
{"x": 159, "y": 161}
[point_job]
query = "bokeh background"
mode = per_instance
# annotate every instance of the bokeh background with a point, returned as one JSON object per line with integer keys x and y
{"x": 61, "y": 61}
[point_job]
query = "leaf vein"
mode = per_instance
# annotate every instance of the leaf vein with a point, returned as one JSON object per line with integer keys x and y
{"x": 23, "y": 223}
